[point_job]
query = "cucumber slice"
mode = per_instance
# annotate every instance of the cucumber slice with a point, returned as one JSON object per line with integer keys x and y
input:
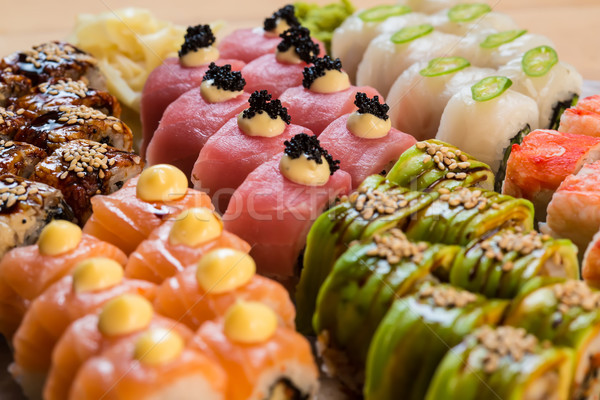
{"x": 490, "y": 87}
{"x": 498, "y": 39}
{"x": 411, "y": 33}
{"x": 538, "y": 61}
{"x": 444, "y": 65}
{"x": 468, "y": 12}
{"x": 381, "y": 13}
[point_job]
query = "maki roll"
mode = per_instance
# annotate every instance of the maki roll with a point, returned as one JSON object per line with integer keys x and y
{"x": 430, "y": 6}
{"x": 195, "y": 116}
{"x": 433, "y": 164}
{"x": 365, "y": 139}
{"x": 583, "y": 118}
{"x": 501, "y": 265}
{"x": 13, "y": 121}
{"x": 420, "y": 94}
{"x": 206, "y": 289}
{"x": 358, "y": 293}
{"x": 178, "y": 243}
{"x": 415, "y": 335}
{"x": 18, "y": 158}
{"x": 246, "y": 141}
{"x": 175, "y": 76}
{"x": 12, "y": 86}
{"x": 503, "y": 362}
{"x": 471, "y": 18}
{"x": 325, "y": 95}
{"x": 83, "y": 168}
{"x": 486, "y": 119}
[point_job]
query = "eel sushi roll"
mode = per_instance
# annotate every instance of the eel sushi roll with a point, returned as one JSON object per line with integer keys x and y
{"x": 13, "y": 121}
{"x": 60, "y": 247}
{"x": 19, "y": 158}
{"x": 195, "y": 116}
{"x": 433, "y": 164}
{"x": 206, "y": 289}
{"x": 583, "y": 118}
{"x": 55, "y": 60}
{"x": 177, "y": 75}
{"x": 545, "y": 158}
{"x": 486, "y": 119}
{"x": 282, "y": 363}
{"x": 119, "y": 319}
{"x": 128, "y": 216}
{"x": 471, "y": 18}
{"x": 376, "y": 206}
{"x": 178, "y": 243}
{"x": 246, "y": 141}
{"x": 506, "y": 363}
{"x": 553, "y": 84}
{"x": 391, "y": 53}
{"x": 12, "y": 86}
{"x": 567, "y": 315}
{"x": 365, "y": 139}
{"x": 360, "y": 290}
{"x": 91, "y": 284}
{"x": 249, "y": 44}
{"x": 501, "y": 265}
{"x": 157, "y": 363}
{"x": 82, "y": 169}
{"x": 420, "y": 94}
{"x": 417, "y": 333}
{"x": 50, "y": 130}
{"x": 278, "y": 202}
{"x": 325, "y": 95}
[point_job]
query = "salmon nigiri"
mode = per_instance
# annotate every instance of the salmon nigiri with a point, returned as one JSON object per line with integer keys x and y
{"x": 205, "y": 290}
{"x": 178, "y": 243}
{"x": 583, "y": 119}
{"x": 93, "y": 282}
{"x": 127, "y": 217}
{"x": 25, "y": 272}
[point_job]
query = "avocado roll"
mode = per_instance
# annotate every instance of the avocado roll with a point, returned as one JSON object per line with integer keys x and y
{"x": 500, "y": 265}
{"x": 365, "y": 281}
{"x": 567, "y": 314}
{"x": 415, "y": 335}
{"x": 503, "y": 363}
{"x": 434, "y": 164}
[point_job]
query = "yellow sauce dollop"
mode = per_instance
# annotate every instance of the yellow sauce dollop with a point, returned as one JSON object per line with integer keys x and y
{"x": 288, "y": 57}
{"x": 59, "y": 237}
{"x": 368, "y": 126}
{"x": 304, "y": 171}
{"x": 162, "y": 182}
{"x": 195, "y": 226}
{"x": 125, "y": 314}
{"x": 223, "y": 270}
{"x": 333, "y": 81}
{"x": 97, "y": 274}
{"x": 158, "y": 346}
{"x": 213, "y": 94}
{"x": 281, "y": 27}
{"x": 200, "y": 57}
{"x": 261, "y": 124}
{"x": 250, "y": 322}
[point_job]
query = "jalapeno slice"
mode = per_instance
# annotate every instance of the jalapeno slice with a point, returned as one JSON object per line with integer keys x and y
{"x": 444, "y": 65}
{"x": 490, "y": 88}
{"x": 538, "y": 61}
{"x": 468, "y": 12}
{"x": 497, "y": 39}
{"x": 410, "y": 33}
{"x": 381, "y": 13}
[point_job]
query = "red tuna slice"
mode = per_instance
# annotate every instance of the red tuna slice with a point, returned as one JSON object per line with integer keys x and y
{"x": 248, "y": 44}
{"x": 186, "y": 126}
{"x": 230, "y": 155}
{"x": 274, "y": 215}
{"x": 164, "y": 85}
{"x": 361, "y": 157}
{"x": 317, "y": 110}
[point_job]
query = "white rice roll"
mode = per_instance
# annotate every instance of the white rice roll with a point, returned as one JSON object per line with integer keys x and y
{"x": 385, "y": 60}
{"x": 418, "y": 97}
{"x": 430, "y": 6}
{"x": 486, "y": 128}
{"x": 469, "y": 18}
{"x": 558, "y": 84}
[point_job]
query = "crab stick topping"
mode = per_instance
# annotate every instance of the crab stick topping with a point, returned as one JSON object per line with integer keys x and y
{"x": 97, "y": 274}
{"x": 265, "y": 117}
{"x": 370, "y": 121}
{"x": 162, "y": 182}
{"x": 125, "y": 314}
{"x": 305, "y": 162}
{"x": 198, "y": 47}
{"x": 158, "y": 346}
{"x": 195, "y": 226}
{"x": 220, "y": 84}
{"x": 224, "y": 270}
{"x": 250, "y": 322}
{"x": 59, "y": 237}
{"x": 325, "y": 76}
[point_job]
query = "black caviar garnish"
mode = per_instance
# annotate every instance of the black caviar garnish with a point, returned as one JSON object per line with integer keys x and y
{"x": 197, "y": 37}
{"x": 299, "y": 38}
{"x": 311, "y": 147}
{"x": 260, "y": 101}
{"x": 371, "y": 106}
{"x": 318, "y": 69}
{"x": 224, "y": 78}
{"x": 287, "y": 13}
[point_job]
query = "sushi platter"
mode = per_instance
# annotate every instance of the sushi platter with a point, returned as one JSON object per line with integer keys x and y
{"x": 331, "y": 201}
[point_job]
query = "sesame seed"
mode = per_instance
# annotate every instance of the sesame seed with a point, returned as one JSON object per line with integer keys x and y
{"x": 83, "y": 114}
{"x": 445, "y": 159}
{"x": 447, "y": 296}
{"x": 370, "y": 202}
{"x": 78, "y": 88}
{"x": 572, "y": 294}
{"x": 504, "y": 341}
{"x": 394, "y": 247}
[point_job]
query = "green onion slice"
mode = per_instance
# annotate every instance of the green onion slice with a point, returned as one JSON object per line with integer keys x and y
{"x": 381, "y": 13}
{"x": 411, "y": 33}
{"x": 468, "y": 12}
{"x": 444, "y": 65}
{"x": 538, "y": 61}
{"x": 498, "y": 39}
{"x": 490, "y": 87}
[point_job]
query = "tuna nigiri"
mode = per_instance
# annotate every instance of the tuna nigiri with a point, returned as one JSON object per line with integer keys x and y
{"x": 583, "y": 119}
